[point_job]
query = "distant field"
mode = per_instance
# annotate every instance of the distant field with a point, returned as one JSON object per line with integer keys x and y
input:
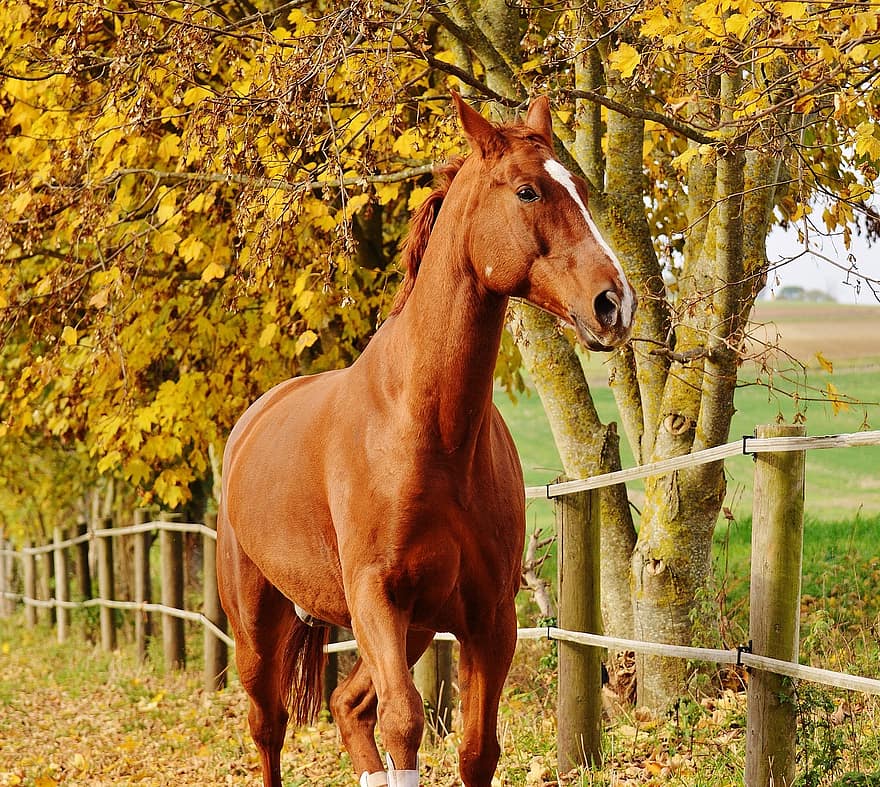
{"x": 843, "y": 334}
{"x": 842, "y": 483}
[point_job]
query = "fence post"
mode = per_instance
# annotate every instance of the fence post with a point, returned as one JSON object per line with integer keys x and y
{"x": 216, "y": 653}
{"x": 5, "y": 580}
{"x": 433, "y": 678}
{"x": 62, "y": 584}
{"x": 81, "y": 564}
{"x": 29, "y": 569}
{"x": 774, "y": 609}
{"x": 143, "y": 620}
{"x": 579, "y": 710}
{"x": 45, "y": 576}
{"x": 173, "y": 642}
{"x": 105, "y": 587}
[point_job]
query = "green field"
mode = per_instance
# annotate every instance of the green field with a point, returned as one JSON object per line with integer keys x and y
{"x": 840, "y": 483}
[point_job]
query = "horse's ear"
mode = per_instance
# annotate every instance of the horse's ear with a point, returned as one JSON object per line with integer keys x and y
{"x": 481, "y": 134}
{"x": 538, "y": 119}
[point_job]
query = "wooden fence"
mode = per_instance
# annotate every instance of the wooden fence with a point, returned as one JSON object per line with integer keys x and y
{"x": 771, "y": 655}
{"x": 43, "y": 566}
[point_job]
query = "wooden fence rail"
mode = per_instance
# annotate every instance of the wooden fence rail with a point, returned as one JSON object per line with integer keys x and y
{"x": 171, "y": 609}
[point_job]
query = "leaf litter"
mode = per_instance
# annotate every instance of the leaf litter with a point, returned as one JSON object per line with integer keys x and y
{"x": 73, "y": 715}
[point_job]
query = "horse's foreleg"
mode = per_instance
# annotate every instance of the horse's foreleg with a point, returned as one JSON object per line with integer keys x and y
{"x": 485, "y": 661}
{"x": 381, "y": 632}
{"x": 353, "y": 705}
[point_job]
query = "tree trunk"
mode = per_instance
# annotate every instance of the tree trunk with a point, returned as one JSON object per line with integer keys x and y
{"x": 586, "y": 447}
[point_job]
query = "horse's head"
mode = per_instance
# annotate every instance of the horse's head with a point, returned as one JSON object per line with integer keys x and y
{"x": 530, "y": 231}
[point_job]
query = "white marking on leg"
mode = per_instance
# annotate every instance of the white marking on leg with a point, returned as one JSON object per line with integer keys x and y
{"x": 396, "y": 778}
{"x": 563, "y": 177}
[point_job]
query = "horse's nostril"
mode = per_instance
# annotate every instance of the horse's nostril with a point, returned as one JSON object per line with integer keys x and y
{"x": 607, "y": 306}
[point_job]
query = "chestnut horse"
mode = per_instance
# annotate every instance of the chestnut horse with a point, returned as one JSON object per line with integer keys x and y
{"x": 388, "y": 497}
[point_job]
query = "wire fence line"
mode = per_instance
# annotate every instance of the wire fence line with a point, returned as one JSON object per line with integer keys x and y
{"x": 109, "y": 532}
{"x": 747, "y": 446}
{"x": 129, "y": 606}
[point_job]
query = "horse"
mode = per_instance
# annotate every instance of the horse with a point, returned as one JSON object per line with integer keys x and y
{"x": 387, "y": 497}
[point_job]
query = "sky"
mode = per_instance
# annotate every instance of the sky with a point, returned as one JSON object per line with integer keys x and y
{"x": 812, "y": 272}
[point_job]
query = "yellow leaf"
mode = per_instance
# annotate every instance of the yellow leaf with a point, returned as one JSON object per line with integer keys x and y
{"x": 825, "y": 363}
{"x": 656, "y": 22}
{"x": 304, "y": 340}
{"x": 45, "y": 781}
{"x": 5, "y": 649}
{"x": 867, "y": 141}
{"x": 268, "y": 334}
{"x": 191, "y": 249}
{"x": 793, "y": 10}
{"x": 167, "y": 206}
{"x": 68, "y": 335}
{"x": 213, "y": 271}
{"x": 302, "y": 25}
{"x": 802, "y": 209}
{"x": 196, "y": 94}
{"x": 408, "y": 144}
{"x": 165, "y": 242}
{"x": 387, "y": 192}
{"x": 709, "y": 14}
{"x": 356, "y": 202}
{"x": 737, "y": 24}
{"x": 682, "y": 160}
{"x": 169, "y": 147}
{"x": 838, "y": 405}
{"x": 418, "y": 196}
{"x": 109, "y": 461}
{"x": 200, "y": 203}
{"x": 100, "y": 298}
{"x": 625, "y": 59}
{"x": 20, "y": 203}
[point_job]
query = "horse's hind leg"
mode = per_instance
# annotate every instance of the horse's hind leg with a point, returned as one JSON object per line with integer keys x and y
{"x": 263, "y": 622}
{"x": 353, "y": 705}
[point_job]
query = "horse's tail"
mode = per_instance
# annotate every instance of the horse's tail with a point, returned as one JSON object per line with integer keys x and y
{"x": 304, "y": 662}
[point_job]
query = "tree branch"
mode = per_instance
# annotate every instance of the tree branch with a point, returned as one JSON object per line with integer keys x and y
{"x": 673, "y": 124}
{"x": 276, "y": 183}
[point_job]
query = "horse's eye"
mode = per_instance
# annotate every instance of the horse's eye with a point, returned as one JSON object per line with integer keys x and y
{"x": 527, "y": 194}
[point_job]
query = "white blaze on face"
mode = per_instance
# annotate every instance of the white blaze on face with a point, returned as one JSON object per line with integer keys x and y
{"x": 563, "y": 177}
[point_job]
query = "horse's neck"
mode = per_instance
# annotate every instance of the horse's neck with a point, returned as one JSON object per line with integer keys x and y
{"x": 448, "y": 336}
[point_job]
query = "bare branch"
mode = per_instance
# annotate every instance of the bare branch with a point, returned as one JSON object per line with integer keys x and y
{"x": 539, "y": 586}
{"x": 268, "y": 183}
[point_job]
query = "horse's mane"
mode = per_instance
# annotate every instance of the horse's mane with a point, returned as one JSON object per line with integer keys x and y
{"x": 420, "y": 227}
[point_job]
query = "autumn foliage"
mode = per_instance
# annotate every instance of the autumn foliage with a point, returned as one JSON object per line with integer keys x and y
{"x": 197, "y": 201}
